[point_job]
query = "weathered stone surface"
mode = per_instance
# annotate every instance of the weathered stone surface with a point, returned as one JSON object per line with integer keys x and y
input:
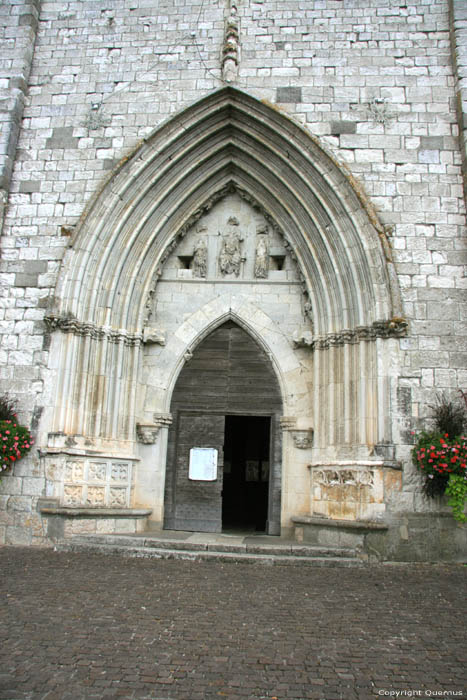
{"x": 365, "y": 221}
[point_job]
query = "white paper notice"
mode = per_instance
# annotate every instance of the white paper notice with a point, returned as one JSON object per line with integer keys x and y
{"x": 203, "y": 464}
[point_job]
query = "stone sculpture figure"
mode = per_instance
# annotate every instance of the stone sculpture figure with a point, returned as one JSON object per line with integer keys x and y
{"x": 230, "y": 257}
{"x": 262, "y": 258}
{"x": 200, "y": 258}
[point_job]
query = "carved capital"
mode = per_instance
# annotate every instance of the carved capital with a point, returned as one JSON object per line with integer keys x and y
{"x": 303, "y": 439}
{"x": 147, "y": 432}
{"x": 303, "y": 340}
{"x": 153, "y": 336}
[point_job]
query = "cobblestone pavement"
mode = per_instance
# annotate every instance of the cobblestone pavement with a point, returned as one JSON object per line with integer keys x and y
{"x": 78, "y": 626}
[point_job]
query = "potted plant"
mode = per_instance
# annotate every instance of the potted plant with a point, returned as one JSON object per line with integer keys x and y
{"x": 15, "y": 439}
{"x": 441, "y": 455}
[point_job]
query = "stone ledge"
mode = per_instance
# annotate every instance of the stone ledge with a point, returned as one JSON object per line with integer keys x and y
{"x": 83, "y": 512}
{"x": 362, "y": 525}
{"x": 344, "y": 463}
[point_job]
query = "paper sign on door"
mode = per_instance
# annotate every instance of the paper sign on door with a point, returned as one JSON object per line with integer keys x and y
{"x": 203, "y": 464}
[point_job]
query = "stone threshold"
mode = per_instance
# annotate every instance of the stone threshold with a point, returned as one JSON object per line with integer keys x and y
{"x": 82, "y": 512}
{"x": 362, "y": 525}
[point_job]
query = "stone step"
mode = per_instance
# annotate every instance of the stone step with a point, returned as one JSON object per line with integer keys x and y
{"x": 261, "y": 553}
{"x": 289, "y": 548}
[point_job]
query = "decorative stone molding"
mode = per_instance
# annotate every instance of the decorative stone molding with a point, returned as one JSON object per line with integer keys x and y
{"x": 153, "y": 336}
{"x": 163, "y": 420}
{"x": 303, "y": 439}
{"x": 394, "y": 328}
{"x": 147, "y": 432}
{"x": 96, "y": 118}
{"x": 352, "y": 490}
{"x": 288, "y": 422}
{"x": 344, "y": 476}
{"x": 67, "y": 324}
{"x": 96, "y": 482}
{"x": 123, "y": 211}
{"x": 378, "y": 110}
{"x": 230, "y": 47}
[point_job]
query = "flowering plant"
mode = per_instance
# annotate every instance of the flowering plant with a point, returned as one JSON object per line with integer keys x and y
{"x": 441, "y": 456}
{"x": 15, "y": 442}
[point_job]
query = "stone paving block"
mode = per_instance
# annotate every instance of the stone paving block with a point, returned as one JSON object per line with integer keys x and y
{"x": 379, "y": 76}
{"x": 107, "y": 627}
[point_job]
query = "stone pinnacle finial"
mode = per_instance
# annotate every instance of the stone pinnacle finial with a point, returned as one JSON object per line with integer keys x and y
{"x": 230, "y": 48}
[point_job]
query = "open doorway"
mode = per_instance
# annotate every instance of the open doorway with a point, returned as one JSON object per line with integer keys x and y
{"x": 246, "y": 472}
{"x": 218, "y": 402}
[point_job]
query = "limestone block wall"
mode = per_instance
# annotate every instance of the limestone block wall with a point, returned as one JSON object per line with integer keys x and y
{"x": 19, "y": 22}
{"x": 380, "y": 83}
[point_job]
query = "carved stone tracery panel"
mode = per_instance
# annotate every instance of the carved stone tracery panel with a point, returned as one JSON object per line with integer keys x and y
{"x": 92, "y": 483}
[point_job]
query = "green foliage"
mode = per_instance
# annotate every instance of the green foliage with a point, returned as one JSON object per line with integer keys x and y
{"x": 457, "y": 491}
{"x": 449, "y": 416}
{"x": 7, "y": 408}
{"x": 443, "y": 451}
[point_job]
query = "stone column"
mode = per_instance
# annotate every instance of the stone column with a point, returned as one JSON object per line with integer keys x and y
{"x": 150, "y": 477}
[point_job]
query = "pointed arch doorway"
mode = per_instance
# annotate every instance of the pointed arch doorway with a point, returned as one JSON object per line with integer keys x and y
{"x": 226, "y": 403}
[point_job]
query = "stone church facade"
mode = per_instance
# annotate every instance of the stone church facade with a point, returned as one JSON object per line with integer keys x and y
{"x": 233, "y": 264}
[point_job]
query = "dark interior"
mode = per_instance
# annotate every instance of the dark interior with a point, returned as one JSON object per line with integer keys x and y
{"x": 246, "y": 472}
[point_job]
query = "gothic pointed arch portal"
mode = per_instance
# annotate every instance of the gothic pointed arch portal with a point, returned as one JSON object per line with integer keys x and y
{"x": 230, "y": 200}
{"x": 227, "y": 402}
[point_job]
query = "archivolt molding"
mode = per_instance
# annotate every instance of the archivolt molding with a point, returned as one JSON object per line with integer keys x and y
{"x": 226, "y": 140}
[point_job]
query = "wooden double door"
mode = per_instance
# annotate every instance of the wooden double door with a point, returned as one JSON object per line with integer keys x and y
{"x": 226, "y": 407}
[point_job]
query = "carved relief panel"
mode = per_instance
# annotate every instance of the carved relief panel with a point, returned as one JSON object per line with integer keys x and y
{"x": 233, "y": 241}
{"x": 97, "y": 483}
